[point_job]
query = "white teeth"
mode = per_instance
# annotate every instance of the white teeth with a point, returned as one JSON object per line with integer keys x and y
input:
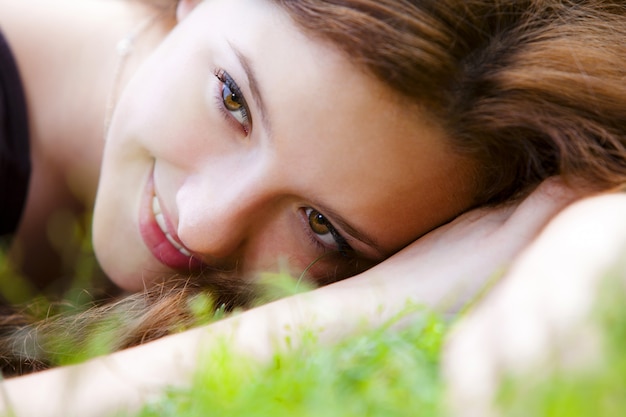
{"x": 156, "y": 206}
{"x": 160, "y": 219}
{"x": 177, "y": 245}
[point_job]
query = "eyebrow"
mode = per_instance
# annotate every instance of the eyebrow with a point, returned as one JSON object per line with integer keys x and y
{"x": 338, "y": 221}
{"x": 254, "y": 86}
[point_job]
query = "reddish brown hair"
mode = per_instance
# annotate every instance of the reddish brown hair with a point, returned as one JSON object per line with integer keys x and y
{"x": 527, "y": 88}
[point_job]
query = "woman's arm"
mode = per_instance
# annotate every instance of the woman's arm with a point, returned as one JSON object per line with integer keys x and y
{"x": 540, "y": 317}
{"x": 448, "y": 264}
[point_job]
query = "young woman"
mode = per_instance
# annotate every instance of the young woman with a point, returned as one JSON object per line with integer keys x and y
{"x": 228, "y": 181}
{"x": 326, "y": 136}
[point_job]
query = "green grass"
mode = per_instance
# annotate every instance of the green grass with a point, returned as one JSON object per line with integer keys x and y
{"x": 383, "y": 373}
{"x": 598, "y": 391}
{"x": 390, "y": 372}
{"x": 386, "y": 372}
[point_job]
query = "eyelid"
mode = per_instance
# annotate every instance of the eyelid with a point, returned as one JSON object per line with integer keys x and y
{"x": 226, "y": 79}
{"x": 360, "y": 241}
{"x": 343, "y": 247}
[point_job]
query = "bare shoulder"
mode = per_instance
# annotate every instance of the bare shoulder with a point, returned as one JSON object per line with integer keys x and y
{"x": 68, "y": 16}
{"x": 59, "y": 22}
{"x": 62, "y": 44}
{"x": 67, "y": 59}
{"x": 66, "y": 53}
{"x": 57, "y": 33}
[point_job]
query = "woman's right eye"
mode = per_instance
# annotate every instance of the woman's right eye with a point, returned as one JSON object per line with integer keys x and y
{"x": 232, "y": 101}
{"x": 325, "y": 233}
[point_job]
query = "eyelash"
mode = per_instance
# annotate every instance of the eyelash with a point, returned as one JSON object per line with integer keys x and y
{"x": 343, "y": 247}
{"x": 227, "y": 81}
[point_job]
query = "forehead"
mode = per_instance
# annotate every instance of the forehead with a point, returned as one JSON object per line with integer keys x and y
{"x": 340, "y": 136}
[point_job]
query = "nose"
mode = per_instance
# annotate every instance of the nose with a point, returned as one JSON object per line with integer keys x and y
{"x": 222, "y": 213}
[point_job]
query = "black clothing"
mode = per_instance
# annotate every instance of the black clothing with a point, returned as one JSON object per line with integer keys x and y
{"x": 14, "y": 147}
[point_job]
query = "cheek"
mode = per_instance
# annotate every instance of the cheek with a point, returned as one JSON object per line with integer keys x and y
{"x": 165, "y": 113}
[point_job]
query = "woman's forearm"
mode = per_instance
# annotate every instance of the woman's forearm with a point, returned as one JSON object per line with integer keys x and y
{"x": 129, "y": 378}
{"x": 440, "y": 269}
{"x": 541, "y": 318}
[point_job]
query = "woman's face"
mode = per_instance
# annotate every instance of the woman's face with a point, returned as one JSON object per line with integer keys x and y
{"x": 244, "y": 145}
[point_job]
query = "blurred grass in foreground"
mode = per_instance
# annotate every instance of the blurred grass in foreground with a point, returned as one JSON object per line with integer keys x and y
{"x": 387, "y": 372}
{"x": 384, "y": 372}
{"x": 390, "y": 372}
{"x": 598, "y": 391}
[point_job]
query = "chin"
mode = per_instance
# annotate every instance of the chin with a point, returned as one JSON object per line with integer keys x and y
{"x": 116, "y": 267}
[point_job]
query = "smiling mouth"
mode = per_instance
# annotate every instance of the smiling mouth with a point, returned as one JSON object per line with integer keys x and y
{"x": 160, "y": 219}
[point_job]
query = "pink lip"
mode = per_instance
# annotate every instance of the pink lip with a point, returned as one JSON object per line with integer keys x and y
{"x": 155, "y": 239}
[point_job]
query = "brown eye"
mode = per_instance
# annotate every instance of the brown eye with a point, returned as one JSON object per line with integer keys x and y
{"x": 318, "y": 223}
{"x": 231, "y": 100}
{"x": 325, "y": 233}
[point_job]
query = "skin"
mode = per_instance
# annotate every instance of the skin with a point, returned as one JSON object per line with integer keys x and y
{"x": 66, "y": 65}
{"x": 237, "y": 193}
{"x": 433, "y": 270}
{"x": 480, "y": 243}
{"x": 543, "y": 317}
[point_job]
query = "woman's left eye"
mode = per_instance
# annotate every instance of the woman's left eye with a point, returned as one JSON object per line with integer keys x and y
{"x": 232, "y": 100}
{"x": 325, "y": 232}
